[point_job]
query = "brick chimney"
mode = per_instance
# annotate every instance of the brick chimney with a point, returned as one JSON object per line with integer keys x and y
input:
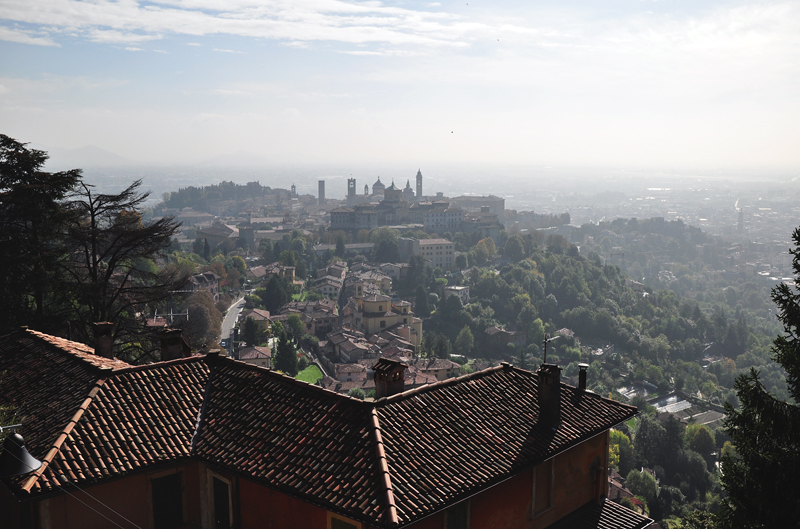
{"x": 389, "y": 377}
{"x": 582, "y": 376}
{"x": 172, "y": 345}
{"x": 549, "y": 395}
{"x": 103, "y": 339}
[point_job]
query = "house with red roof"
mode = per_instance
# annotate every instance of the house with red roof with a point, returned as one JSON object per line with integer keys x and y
{"x": 208, "y": 441}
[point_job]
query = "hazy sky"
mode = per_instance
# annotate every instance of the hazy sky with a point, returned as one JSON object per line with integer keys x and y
{"x": 619, "y": 83}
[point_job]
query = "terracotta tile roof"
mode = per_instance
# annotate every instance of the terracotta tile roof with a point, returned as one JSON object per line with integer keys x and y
{"x": 255, "y": 352}
{"x": 429, "y": 364}
{"x": 344, "y": 388}
{"x": 350, "y": 368}
{"x": 606, "y": 515}
{"x": 256, "y": 314}
{"x": 384, "y": 463}
{"x": 293, "y": 437}
{"x": 485, "y": 426}
{"x": 44, "y": 383}
{"x": 79, "y": 350}
{"x": 110, "y": 437}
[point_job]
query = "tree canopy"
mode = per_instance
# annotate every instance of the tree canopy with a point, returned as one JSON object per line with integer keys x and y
{"x": 761, "y": 475}
{"x": 70, "y": 257}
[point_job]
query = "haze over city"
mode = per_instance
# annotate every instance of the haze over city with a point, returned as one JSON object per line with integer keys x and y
{"x": 667, "y": 86}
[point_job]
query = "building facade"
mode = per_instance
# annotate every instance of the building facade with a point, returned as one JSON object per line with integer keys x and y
{"x": 210, "y": 442}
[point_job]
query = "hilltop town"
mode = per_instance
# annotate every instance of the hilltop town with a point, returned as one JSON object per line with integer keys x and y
{"x": 393, "y": 293}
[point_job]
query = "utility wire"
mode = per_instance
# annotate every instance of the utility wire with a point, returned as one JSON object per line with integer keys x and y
{"x": 83, "y": 502}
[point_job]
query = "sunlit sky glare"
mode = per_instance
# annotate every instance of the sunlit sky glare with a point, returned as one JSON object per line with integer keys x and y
{"x": 673, "y": 83}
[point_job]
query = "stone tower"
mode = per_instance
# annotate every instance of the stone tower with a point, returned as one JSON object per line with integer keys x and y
{"x": 419, "y": 184}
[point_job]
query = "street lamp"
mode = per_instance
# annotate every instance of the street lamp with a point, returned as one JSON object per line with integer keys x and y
{"x": 15, "y": 459}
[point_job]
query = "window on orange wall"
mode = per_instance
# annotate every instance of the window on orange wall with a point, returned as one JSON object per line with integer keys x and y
{"x": 221, "y": 493}
{"x": 167, "y": 500}
{"x": 543, "y": 480}
{"x": 336, "y": 521}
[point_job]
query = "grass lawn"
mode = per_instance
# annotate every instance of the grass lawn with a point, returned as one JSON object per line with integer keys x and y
{"x": 299, "y": 297}
{"x": 310, "y": 374}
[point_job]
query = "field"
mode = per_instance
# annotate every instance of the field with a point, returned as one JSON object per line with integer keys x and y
{"x": 310, "y": 374}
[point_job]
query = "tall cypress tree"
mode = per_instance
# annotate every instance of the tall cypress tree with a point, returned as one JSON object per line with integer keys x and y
{"x": 762, "y": 477}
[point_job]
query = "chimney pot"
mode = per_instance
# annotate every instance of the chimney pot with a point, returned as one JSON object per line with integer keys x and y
{"x": 103, "y": 339}
{"x": 389, "y": 377}
{"x": 582, "y": 376}
{"x": 549, "y": 395}
{"x": 171, "y": 344}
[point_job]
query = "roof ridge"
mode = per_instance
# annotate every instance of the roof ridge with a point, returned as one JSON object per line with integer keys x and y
{"x": 383, "y": 468}
{"x": 156, "y": 365}
{"x": 80, "y": 349}
{"x": 281, "y": 376}
{"x": 441, "y": 383}
{"x": 59, "y": 441}
{"x": 201, "y": 413}
{"x": 587, "y": 392}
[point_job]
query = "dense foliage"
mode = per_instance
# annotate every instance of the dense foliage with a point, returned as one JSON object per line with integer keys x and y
{"x": 761, "y": 475}
{"x": 72, "y": 257}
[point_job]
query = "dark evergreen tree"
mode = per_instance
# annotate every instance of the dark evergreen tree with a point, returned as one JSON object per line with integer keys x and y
{"x": 761, "y": 477}
{"x": 32, "y": 223}
{"x": 340, "y": 246}
{"x": 421, "y": 302}
{"x": 285, "y": 355}
{"x": 250, "y": 331}
{"x": 442, "y": 347}
{"x": 276, "y": 294}
{"x": 197, "y": 246}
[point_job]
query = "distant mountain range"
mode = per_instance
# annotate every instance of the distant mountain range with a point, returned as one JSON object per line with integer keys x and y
{"x": 82, "y": 157}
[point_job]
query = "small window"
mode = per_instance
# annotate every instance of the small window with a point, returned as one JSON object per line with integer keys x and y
{"x": 457, "y": 516}
{"x": 222, "y": 504}
{"x": 340, "y": 522}
{"x": 222, "y": 511}
{"x": 167, "y": 501}
{"x": 383, "y": 324}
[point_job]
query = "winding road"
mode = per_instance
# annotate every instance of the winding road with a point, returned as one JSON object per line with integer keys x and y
{"x": 229, "y": 322}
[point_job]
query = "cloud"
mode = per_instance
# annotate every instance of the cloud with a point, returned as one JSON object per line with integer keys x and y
{"x": 119, "y": 37}
{"x": 226, "y": 51}
{"x": 131, "y": 48}
{"x": 380, "y": 53}
{"x": 226, "y": 92}
{"x": 193, "y": 44}
{"x": 15, "y": 35}
{"x": 133, "y": 21}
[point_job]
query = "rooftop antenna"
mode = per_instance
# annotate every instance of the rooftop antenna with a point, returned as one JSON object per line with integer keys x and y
{"x": 547, "y": 339}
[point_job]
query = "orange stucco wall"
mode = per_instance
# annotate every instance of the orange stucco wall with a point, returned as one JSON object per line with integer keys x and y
{"x": 129, "y": 498}
{"x": 265, "y": 508}
{"x": 573, "y": 482}
{"x": 508, "y": 505}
